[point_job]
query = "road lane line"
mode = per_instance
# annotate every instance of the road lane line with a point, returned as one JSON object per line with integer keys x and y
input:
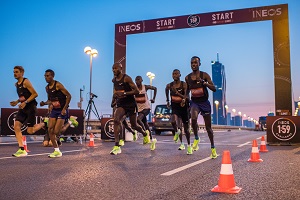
{"x": 243, "y": 144}
{"x": 41, "y": 154}
{"x": 258, "y": 138}
{"x": 174, "y": 171}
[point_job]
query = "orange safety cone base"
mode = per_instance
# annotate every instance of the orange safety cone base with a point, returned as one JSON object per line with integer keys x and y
{"x": 91, "y": 143}
{"x": 25, "y": 144}
{"x": 263, "y": 150}
{"x": 233, "y": 190}
{"x": 255, "y": 160}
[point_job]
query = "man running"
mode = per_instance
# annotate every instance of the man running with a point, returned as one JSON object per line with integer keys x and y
{"x": 144, "y": 107}
{"x": 198, "y": 82}
{"x": 179, "y": 105}
{"x": 59, "y": 99}
{"x": 27, "y": 108}
{"x": 124, "y": 91}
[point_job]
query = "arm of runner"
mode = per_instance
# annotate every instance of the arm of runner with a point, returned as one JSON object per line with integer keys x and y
{"x": 209, "y": 83}
{"x": 167, "y": 91}
{"x": 68, "y": 96}
{"x": 134, "y": 89}
{"x": 149, "y": 87}
{"x": 187, "y": 88}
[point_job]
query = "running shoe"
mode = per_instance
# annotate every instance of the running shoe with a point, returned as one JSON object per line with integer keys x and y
{"x": 176, "y": 136}
{"x": 146, "y": 139}
{"x": 135, "y": 136}
{"x": 189, "y": 150}
{"x": 73, "y": 122}
{"x": 121, "y": 142}
{"x": 181, "y": 147}
{"x": 116, "y": 150}
{"x": 152, "y": 147}
{"x": 46, "y": 120}
{"x": 213, "y": 154}
{"x": 55, "y": 154}
{"x": 195, "y": 144}
{"x": 20, "y": 153}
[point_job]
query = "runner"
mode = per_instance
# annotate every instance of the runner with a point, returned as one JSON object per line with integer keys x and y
{"x": 27, "y": 109}
{"x": 198, "y": 82}
{"x": 144, "y": 107}
{"x": 179, "y": 105}
{"x": 124, "y": 91}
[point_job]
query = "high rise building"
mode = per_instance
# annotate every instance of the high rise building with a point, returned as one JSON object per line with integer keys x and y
{"x": 219, "y": 97}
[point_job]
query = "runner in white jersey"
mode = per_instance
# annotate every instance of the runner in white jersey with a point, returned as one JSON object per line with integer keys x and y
{"x": 143, "y": 105}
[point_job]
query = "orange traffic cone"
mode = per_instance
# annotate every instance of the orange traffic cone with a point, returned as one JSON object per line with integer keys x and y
{"x": 263, "y": 147}
{"x": 226, "y": 182}
{"x": 91, "y": 144}
{"x": 25, "y": 144}
{"x": 254, "y": 157}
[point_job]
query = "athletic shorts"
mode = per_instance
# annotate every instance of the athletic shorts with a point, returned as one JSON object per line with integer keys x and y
{"x": 181, "y": 112}
{"x": 56, "y": 113}
{"x": 204, "y": 108}
{"x": 27, "y": 115}
{"x": 130, "y": 108}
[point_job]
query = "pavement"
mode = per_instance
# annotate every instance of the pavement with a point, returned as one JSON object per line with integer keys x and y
{"x": 137, "y": 173}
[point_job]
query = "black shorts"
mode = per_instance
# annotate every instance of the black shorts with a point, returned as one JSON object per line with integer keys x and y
{"x": 181, "y": 112}
{"x": 130, "y": 109}
{"x": 27, "y": 115}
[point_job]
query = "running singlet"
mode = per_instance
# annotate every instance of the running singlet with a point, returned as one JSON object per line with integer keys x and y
{"x": 142, "y": 99}
{"x": 199, "y": 92}
{"x": 122, "y": 86}
{"x": 24, "y": 93}
{"x": 57, "y": 98}
{"x": 174, "y": 97}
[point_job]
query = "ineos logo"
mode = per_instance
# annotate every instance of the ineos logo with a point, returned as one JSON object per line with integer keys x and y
{"x": 11, "y": 121}
{"x": 266, "y": 13}
{"x": 130, "y": 28}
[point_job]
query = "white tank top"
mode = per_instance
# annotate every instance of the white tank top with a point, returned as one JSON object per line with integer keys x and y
{"x": 142, "y": 99}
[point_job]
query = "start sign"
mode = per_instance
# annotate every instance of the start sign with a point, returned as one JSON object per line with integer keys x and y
{"x": 283, "y": 129}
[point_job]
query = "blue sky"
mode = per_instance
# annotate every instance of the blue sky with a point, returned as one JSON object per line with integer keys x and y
{"x": 53, "y": 33}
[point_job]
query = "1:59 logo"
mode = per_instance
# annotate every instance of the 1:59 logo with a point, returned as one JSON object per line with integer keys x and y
{"x": 284, "y": 129}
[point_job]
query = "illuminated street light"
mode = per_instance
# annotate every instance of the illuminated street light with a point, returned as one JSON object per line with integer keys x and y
{"x": 93, "y": 53}
{"x": 217, "y": 107}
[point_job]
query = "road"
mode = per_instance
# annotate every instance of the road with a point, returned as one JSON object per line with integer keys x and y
{"x": 138, "y": 173}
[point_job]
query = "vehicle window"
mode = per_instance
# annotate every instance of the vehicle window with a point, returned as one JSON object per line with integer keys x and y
{"x": 162, "y": 110}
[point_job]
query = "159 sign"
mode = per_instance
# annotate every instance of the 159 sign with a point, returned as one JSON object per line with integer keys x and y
{"x": 284, "y": 129}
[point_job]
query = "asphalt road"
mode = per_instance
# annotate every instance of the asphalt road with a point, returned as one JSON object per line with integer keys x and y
{"x": 138, "y": 173}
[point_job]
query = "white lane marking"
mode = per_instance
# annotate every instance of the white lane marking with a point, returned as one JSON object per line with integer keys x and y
{"x": 243, "y": 144}
{"x": 174, "y": 171}
{"x": 41, "y": 154}
{"x": 258, "y": 138}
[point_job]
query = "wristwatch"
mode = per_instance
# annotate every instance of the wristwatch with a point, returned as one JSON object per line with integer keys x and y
{"x": 26, "y": 101}
{"x": 124, "y": 93}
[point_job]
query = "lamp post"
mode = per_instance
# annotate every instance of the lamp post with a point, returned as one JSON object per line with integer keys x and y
{"x": 151, "y": 76}
{"x": 217, "y": 107}
{"x": 233, "y": 110}
{"x": 93, "y": 53}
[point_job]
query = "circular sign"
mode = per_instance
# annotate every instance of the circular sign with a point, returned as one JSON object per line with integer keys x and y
{"x": 193, "y": 20}
{"x": 11, "y": 121}
{"x": 284, "y": 129}
{"x": 109, "y": 129}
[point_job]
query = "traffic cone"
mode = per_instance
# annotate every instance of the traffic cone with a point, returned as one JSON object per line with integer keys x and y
{"x": 226, "y": 182}
{"x": 25, "y": 144}
{"x": 263, "y": 147}
{"x": 91, "y": 144}
{"x": 254, "y": 157}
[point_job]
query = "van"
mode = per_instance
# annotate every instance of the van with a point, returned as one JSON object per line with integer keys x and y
{"x": 162, "y": 119}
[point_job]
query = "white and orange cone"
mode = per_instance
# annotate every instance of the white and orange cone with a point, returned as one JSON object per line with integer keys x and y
{"x": 92, "y": 143}
{"x": 25, "y": 144}
{"x": 263, "y": 146}
{"x": 254, "y": 157}
{"x": 226, "y": 182}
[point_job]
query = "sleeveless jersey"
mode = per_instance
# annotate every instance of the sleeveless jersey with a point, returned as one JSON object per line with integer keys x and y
{"x": 176, "y": 99}
{"x": 199, "y": 92}
{"x": 122, "y": 86}
{"x": 57, "y": 98}
{"x": 142, "y": 99}
{"x": 24, "y": 93}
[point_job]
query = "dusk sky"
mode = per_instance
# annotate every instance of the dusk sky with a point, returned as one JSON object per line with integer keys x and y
{"x": 43, "y": 34}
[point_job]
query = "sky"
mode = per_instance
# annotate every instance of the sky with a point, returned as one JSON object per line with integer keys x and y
{"x": 53, "y": 33}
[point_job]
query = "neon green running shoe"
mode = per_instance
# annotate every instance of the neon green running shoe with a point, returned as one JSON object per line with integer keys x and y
{"x": 146, "y": 139}
{"x": 135, "y": 136}
{"x": 195, "y": 144}
{"x": 116, "y": 150}
{"x": 73, "y": 122}
{"x": 176, "y": 136}
{"x": 121, "y": 142}
{"x": 213, "y": 154}
{"x": 20, "y": 153}
{"x": 181, "y": 147}
{"x": 152, "y": 146}
{"x": 55, "y": 154}
{"x": 189, "y": 150}
{"x": 46, "y": 120}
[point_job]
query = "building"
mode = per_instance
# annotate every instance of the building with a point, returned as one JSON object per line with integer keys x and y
{"x": 219, "y": 97}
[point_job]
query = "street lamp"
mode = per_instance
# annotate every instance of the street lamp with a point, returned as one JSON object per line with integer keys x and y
{"x": 93, "y": 53}
{"x": 233, "y": 110}
{"x": 217, "y": 107}
{"x": 240, "y": 116}
{"x": 226, "y": 109}
{"x": 151, "y": 76}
